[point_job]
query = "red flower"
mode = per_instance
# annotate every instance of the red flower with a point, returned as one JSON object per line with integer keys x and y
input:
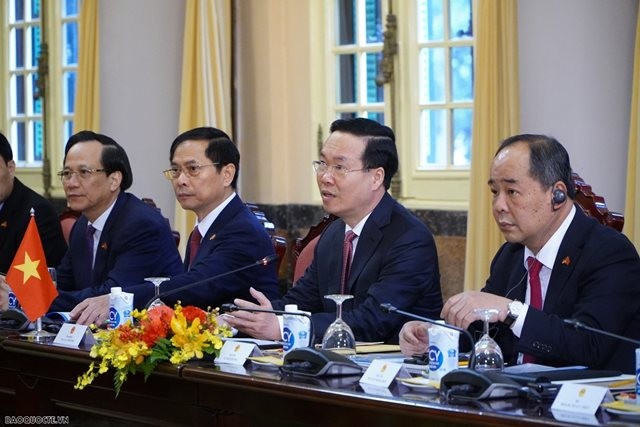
{"x": 190, "y": 313}
{"x": 156, "y": 325}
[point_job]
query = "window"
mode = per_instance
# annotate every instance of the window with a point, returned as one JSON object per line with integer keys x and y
{"x": 37, "y": 32}
{"x": 429, "y": 101}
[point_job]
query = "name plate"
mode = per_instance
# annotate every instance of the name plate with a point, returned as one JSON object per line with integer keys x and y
{"x": 381, "y": 373}
{"x": 579, "y": 402}
{"x": 236, "y": 353}
{"x": 72, "y": 335}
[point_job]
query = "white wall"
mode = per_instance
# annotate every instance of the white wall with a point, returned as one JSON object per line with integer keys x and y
{"x": 140, "y": 63}
{"x": 576, "y": 63}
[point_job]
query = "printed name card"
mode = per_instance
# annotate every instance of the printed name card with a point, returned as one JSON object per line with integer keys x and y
{"x": 381, "y": 373}
{"x": 72, "y": 335}
{"x": 236, "y": 352}
{"x": 579, "y": 402}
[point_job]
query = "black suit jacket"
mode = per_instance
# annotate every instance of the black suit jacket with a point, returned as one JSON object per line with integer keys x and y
{"x": 595, "y": 279}
{"x": 235, "y": 239}
{"x": 14, "y": 218}
{"x": 136, "y": 242}
{"x": 395, "y": 262}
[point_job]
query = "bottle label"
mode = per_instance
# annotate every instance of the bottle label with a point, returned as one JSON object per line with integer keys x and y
{"x": 295, "y": 332}
{"x": 13, "y": 301}
{"x": 120, "y": 308}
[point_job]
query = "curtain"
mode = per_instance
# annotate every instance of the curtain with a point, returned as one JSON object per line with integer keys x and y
{"x": 205, "y": 98}
{"x": 87, "y": 102}
{"x": 631, "y": 211}
{"x": 496, "y": 115}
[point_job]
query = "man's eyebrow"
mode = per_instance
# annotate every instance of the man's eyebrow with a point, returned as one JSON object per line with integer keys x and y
{"x": 492, "y": 181}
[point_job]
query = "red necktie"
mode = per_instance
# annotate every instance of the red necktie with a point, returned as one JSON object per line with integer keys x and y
{"x": 536, "y": 294}
{"x": 347, "y": 249}
{"x": 194, "y": 244}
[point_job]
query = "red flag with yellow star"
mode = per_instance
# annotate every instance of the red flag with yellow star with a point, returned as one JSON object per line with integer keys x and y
{"x": 28, "y": 275}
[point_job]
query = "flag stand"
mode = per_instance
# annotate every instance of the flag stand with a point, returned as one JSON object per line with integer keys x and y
{"x": 39, "y": 334}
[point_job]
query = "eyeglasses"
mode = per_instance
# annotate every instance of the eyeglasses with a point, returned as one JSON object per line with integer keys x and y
{"x": 189, "y": 170}
{"x": 83, "y": 174}
{"x": 337, "y": 171}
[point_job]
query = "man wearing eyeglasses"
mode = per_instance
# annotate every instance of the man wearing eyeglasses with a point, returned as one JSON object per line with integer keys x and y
{"x": 227, "y": 236}
{"x": 16, "y": 201}
{"x": 393, "y": 254}
{"x": 118, "y": 239}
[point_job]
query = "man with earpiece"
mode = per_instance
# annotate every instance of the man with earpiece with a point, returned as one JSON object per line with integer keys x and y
{"x": 556, "y": 264}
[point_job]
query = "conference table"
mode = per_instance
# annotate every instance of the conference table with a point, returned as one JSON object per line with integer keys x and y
{"x": 37, "y": 379}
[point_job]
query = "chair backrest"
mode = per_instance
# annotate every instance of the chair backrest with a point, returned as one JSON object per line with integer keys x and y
{"x": 304, "y": 246}
{"x": 279, "y": 242}
{"x": 176, "y": 233}
{"x": 67, "y": 218}
{"x": 594, "y": 206}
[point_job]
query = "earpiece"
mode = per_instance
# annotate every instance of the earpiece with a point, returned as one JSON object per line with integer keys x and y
{"x": 559, "y": 197}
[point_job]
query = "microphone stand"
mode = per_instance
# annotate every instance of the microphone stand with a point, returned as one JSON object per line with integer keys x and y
{"x": 226, "y": 308}
{"x": 579, "y": 325}
{"x": 263, "y": 261}
{"x": 389, "y": 308}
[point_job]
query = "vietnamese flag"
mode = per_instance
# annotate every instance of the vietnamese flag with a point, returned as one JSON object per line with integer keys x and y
{"x": 28, "y": 275}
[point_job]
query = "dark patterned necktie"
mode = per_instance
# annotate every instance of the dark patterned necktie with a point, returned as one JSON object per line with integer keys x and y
{"x": 194, "y": 244}
{"x": 347, "y": 250}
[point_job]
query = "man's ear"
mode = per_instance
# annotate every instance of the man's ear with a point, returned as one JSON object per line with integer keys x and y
{"x": 228, "y": 172}
{"x": 115, "y": 179}
{"x": 377, "y": 175}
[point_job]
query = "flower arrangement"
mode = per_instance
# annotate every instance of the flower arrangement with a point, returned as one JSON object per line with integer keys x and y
{"x": 156, "y": 335}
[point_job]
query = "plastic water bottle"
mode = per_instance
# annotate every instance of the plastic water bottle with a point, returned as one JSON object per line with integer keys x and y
{"x": 295, "y": 329}
{"x": 120, "y": 307}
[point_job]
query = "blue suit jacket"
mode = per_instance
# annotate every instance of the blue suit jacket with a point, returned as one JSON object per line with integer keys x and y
{"x": 595, "y": 279}
{"x": 136, "y": 243}
{"x": 14, "y": 218}
{"x": 235, "y": 239}
{"x": 395, "y": 261}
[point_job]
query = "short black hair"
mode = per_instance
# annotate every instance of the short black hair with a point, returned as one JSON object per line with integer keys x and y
{"x": 5, "y": 149}
{"x": 113, "y": 159}
{"x": 548, "y": 160}
{"x": 380, "y": 150}
{"x": 219, "y": 150}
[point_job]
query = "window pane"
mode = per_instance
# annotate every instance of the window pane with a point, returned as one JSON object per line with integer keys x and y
{"x": 460, "y": 19}
{"x": 373, "y": 18}
{"x": 378, "y": 117}
{"x": 69, "y": 8}
{"x": 69, "y": 92}
{"x": 347, "y": 79}
{"x": 35, "y": 9}
{"x": 38, "y": 136}
{"x": 68, "y": 131}
{"x": 432, "y": 75}
{"x": 35, "y": 45}
{"x": 18, "y": 89}
{"x": 346, "y": 21}
{"x": 17, "y": 11}
{"x": 70, "y": 30}
{"x": 346, "y": 115}
{"x": 462, "y": 73}
{"x": 430, "y": 20}
{"x": 18, "y": 138}
{"x": 375, "y": 93}
{"x": 462, "y": 120}
{"x": 433, "y": 138}
{"x": 17, "y": 40}
{"x": 36, "y": 105}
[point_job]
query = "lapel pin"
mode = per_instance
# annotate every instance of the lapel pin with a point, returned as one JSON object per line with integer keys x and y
{"x": 104, "y": 246}
{"x": 213, "y": 236}
{"x": 4, "y": 224}
{"x": 566, "y": 261}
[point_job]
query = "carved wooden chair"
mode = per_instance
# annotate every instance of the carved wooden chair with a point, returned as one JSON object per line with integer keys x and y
{"x": 304, "y": 246}
{"x": 594, "y": 206}
{"x": 279, "y": 242}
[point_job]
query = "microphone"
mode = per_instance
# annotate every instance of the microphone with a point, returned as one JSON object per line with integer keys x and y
{"x": 227, "y": 308}
{"x": 390, "y": 308}
{"x": 579, "y": 325}
{"x": 263, "y": 261}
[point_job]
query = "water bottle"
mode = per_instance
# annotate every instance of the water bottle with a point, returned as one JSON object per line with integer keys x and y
{"x": 14, "y": 304}
{"x": 295, "y": 329}
{"x": 120, "y": 307}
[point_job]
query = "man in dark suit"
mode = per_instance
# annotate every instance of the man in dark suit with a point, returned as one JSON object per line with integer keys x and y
{"x": 16, "y": 201}
{"x": 394, "y": 254}
{"x": 204, "y": 174}
{"x": 587, "y": 271}
{"x": 127, "y": 241}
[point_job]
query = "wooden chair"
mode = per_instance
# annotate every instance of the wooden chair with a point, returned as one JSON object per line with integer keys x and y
{"x": 304, "y": 247}
{"x": 67, "y": 218}
{"x": 594, "y": 206}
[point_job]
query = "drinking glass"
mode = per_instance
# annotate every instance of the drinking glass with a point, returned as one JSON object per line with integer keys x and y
{"x": 156, "y": 282}
{"x": 39, "y": 334}
{"x": 488, "y": 355}
{"x": 339, "y": 337}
